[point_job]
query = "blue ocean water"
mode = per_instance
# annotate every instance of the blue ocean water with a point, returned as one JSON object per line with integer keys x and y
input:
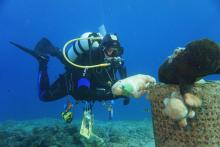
{"x": 148, "y": 30}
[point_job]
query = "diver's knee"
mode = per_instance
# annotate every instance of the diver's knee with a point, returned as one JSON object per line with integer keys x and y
{"x": 44, "y": 97}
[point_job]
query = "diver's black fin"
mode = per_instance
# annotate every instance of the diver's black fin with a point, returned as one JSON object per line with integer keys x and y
{"x": 33, "y": 53}
{"x": 43, "y": 49}
{"x": 44, "y": 46}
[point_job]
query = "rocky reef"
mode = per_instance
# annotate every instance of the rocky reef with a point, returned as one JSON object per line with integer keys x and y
{"x": 203, "y": 130}
{"x": 56, "y": 133}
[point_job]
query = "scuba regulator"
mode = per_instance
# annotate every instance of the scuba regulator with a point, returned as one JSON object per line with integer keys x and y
{"x": 93, "y": 40}
{"x": 114, "y": 61}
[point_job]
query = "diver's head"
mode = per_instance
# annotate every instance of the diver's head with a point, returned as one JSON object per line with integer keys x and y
{"x": 111, "y": 45}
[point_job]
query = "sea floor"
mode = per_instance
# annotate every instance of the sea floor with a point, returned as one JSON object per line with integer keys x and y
{"x": 56, "y": 133}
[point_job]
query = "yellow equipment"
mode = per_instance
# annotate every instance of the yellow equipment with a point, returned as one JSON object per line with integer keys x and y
{"x": 67, "y": 116}
{"x": 87, "y": 124}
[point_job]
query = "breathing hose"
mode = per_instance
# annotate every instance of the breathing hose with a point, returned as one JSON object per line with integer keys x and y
{"x": 77, "y": 65}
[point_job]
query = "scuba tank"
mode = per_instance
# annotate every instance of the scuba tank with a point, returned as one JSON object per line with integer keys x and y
{"x": 83, "y": 45}
{"x": 74, "y": 48}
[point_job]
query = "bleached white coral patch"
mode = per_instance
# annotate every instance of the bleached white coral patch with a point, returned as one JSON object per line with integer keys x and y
{"x": 176, "y": 52}
{"x": 133, "y": 86}
{"x": 175, "y": 108}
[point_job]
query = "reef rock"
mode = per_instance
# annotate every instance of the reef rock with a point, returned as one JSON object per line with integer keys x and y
{"x": 56, "y": 133}
{"x": 203, "y": 127}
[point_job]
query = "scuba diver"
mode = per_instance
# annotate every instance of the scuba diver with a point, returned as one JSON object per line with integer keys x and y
{"x": 80, "y": 81}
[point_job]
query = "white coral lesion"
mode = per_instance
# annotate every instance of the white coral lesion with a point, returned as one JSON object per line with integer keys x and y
{"x": 176, "y": 53}
{"x": 139, "y": 84}
{"x": 177, "y": 110}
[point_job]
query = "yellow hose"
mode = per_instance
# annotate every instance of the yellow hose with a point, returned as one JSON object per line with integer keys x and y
{"x": 81, "y": 66}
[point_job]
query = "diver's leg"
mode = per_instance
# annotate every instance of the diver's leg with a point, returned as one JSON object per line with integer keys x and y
{"x": 50, "y": 93}
{"x": 43, "y": 82}
{"x": 41, "y": 52}
{"x": 56, "y": 91}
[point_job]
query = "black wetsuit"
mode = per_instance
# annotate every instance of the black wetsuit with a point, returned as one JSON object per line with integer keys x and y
{"x": 82, "y": 84}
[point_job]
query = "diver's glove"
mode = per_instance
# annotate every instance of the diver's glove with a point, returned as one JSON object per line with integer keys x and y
{"x": 126, "y": 101}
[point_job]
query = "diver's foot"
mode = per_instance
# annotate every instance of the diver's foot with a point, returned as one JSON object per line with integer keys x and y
{"x": 192, "y": 100}
{"x": 45, "y": 47}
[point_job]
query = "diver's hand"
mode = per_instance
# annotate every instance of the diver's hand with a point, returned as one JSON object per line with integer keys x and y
{"x": 114, "y": 61}
{"x": 126, "y": 101}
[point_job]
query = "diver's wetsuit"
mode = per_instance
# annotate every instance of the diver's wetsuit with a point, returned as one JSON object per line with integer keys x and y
{"x": 82, "y": 84}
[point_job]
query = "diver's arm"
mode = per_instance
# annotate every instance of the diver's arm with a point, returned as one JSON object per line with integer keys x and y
{"x": 49, "y": 93}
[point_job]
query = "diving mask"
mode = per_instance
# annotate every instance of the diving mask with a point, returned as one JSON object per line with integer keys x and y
{"x": 113, "y": 51}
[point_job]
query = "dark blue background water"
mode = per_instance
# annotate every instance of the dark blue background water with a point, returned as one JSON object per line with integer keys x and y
{"x": 148, "y": 29}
